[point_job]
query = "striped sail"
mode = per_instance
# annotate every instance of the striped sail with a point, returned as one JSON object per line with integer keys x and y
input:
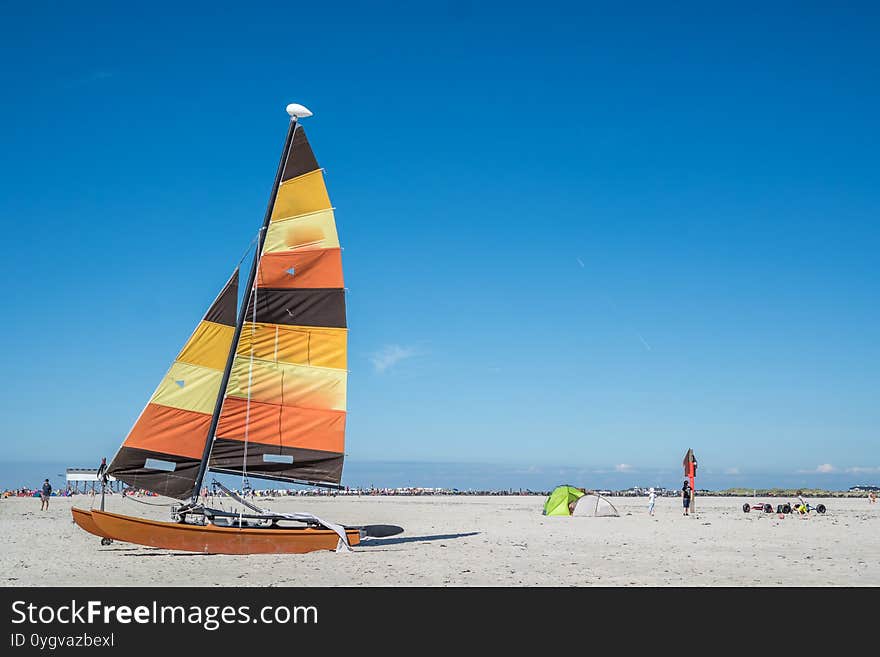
{"x": 283, "y": 416}
{"x": 163, "y": 450}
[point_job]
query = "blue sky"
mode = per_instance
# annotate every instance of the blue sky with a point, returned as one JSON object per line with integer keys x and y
{"x": 579, "y": 237}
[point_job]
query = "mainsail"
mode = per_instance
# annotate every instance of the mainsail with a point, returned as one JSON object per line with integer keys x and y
{"x": 283, "y": 414}
{"x": 163, "y": 450}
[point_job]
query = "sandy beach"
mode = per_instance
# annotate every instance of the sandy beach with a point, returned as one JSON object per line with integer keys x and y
{"x": 472, "y": 541}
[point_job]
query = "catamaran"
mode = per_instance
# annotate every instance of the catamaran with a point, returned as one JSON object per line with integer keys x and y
{"x": 258, "y": 391}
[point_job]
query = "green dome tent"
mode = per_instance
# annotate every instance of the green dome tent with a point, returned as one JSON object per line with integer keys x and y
{"x": 560, "y": 498}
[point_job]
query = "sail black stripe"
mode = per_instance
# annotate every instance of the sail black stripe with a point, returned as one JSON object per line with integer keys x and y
{"x": 300, "y": 159}
{"x": 223, "y": 310}
{"x": 307, "y": 465}
{"x": 300, "y": 307}
{"x": 128, "y": 466}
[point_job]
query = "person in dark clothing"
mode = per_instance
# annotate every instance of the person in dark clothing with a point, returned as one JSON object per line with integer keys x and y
{"x": 686, "y": 496}
{"x": 45, "y": 492}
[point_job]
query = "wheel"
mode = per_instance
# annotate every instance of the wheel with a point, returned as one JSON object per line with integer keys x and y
{"x": 106, "y": 541}
{"x": 821, "y": 508}
{"x": 786, "y": 508}
{"x": 747, "y": 507}
{"x": 768, "y": 508}
{"x": 779, "y": 508}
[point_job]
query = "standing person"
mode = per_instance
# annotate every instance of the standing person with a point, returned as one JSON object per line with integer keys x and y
{"x": 686, "y": 496}
{"x": 652, "y": 497}
{"x": 45, "y": 492}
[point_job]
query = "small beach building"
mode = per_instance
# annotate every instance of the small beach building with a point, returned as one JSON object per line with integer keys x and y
{"x": 86, "y": 476}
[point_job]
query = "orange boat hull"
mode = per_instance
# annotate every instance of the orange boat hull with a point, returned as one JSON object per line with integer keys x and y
{"x": 84, "y": 519}
{"x": 217, "y": 540}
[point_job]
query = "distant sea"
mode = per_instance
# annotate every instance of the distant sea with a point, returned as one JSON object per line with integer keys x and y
{"x": 486, "y": 476}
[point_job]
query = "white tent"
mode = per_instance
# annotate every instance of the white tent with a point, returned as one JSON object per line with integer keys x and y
{"x": 595, "y": 506}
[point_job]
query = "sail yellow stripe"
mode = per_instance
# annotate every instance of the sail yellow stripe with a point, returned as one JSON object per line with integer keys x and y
{"x": 288, "y": 385}
{"x": 208, "y": 346}
{"x": 301, "y": 195}
{"x": 189, "y": 387}
{"x": 298, "y": 345}
{"x": 316, "y": 230}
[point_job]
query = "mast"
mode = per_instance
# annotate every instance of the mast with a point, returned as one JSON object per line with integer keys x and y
{"x": 295, "y": 111}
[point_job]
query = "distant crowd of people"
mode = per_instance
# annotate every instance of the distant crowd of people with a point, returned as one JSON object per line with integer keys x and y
{"x": 138, "y": 492}
{"x": 331, "y": 492}
{"x": 44, "y": 491}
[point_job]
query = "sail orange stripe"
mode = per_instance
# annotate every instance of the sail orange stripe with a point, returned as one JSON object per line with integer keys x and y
{"x": 170, "y": 431}
{"x": 286, "y": 426}
{"x": 301, "y": 269}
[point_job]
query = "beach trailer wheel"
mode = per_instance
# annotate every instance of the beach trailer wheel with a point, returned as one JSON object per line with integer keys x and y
{"x": 747, "y": 507}
{"x": 106, "y": 541}
{"x": 768, "y": 508}
{"x": 821, "y": 508}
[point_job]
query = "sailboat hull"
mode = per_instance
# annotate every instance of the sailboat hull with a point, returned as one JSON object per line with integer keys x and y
{"x": 85, "y": 521}
{"x": 210, "y": 539}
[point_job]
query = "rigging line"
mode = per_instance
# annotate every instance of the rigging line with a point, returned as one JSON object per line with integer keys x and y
{"x": 247, "y": 414}
{"x": 134, "y": 499}
{"x": 254, "y": 240}
{"x": 242, "y": 314}
{"x": 248, "y": 249}
{"x": 280, "y": 407}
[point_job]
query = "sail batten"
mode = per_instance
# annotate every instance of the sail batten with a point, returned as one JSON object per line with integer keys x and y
{"x": 284, "y": 410}
{"x": 163, "y": 451}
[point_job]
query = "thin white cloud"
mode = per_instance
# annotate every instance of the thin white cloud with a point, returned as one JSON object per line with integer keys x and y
{"x": 532, "y": 469}
{"x": 620, "y": 467}
{"x": 824, "y": 468}
{"x": 732, "y": 471}
{"x": 863, "y": 470}
{"x": 88, "y": 78}
{"x": 391, "y": 354}
{"x": 581, "y": 263}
